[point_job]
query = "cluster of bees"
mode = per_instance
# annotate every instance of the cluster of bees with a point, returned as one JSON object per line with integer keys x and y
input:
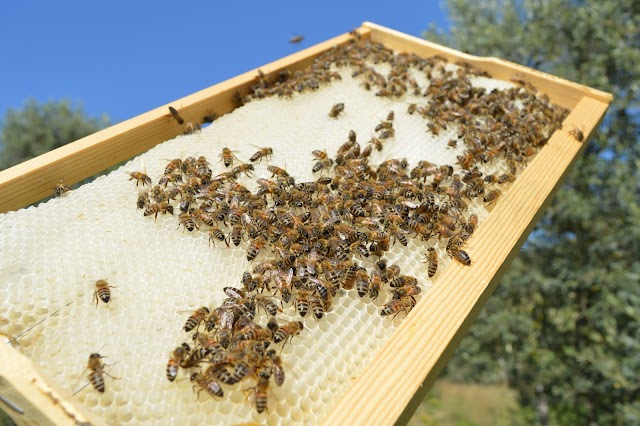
{"x": 307, "y": 240}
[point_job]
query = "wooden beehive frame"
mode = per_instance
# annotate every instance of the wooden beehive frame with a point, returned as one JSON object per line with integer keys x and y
{"x": 402, "y": 372}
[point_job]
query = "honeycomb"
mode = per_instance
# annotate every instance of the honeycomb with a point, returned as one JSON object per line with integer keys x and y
{"x": 51, "y": 256}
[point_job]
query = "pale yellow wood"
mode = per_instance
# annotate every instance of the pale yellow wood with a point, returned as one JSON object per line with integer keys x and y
{"x": 33, "y": 392}
{"x": 34, "y": 179}
{"x": 563, "y": 92}
{"x": 425, "y": 340}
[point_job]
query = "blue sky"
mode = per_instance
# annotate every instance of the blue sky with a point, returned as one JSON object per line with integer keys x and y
{"x": 125, "y": 58}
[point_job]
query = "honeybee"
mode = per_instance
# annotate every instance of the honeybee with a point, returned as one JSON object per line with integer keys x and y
{"x": 319, "y": 155}
{"x": 60, "y": 189}
{"x": 506, "y": 177}
{"x": 235, "y": 235}
{"x": 187, "y": 220}
{"x": 577, "y": 134}
{"x": 254, "y": 248}
{"x": 140, "y": 178}
{"x": 259, "y": 393}
{"x": 294, "y": 40}
{"x": 162, "y": 207}
{"x": 177, "y": 357}
{"x": 254, "y": 332}
{"x": 317, "y": 306}
{"x": 276, "y": 367}
{"x": 196, "y": 318}
{"x": 176, "y": 115}
{"x": 402, "y": 281}
{"x": 102, "y": 291}
{"x": 460, "y": 256}
{"x": 302, "y": 303}
{"x": 402, "y": 292}
{"x": 227, "y": 157}
{"x": 350, "y": 277}
{"x": 215, "y": 233}
{"x": 287, "y": 331}
{"x": 399, "y": 305}
{"x": 262, "y": 153}
{"x": 362, "y": 282}
{"x": 336, "y": 110}
{"x": 322, "y": 164}
{"x": 143, "y": 199}
{"x": 412, "y": 108}
{"x": 208, "y": 384}
{"x": 268, "y": 305}
{"x": 432, "y": 262}
{"x": 492, "y": 196}
{"x": 97, "y": 370}
{"x": 247, "y": 169}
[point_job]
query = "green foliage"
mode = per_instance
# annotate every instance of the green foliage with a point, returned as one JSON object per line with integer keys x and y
{"x": 564, "y": 325}
{"x": 39, "y": 128}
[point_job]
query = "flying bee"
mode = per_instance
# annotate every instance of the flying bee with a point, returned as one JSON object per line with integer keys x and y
{"x": 102, "y": 291}
{"x": 296, "y": 39}
{"x": 336, "y": 110}
{"x": 97, "y": 370}
{"x": 322, "y": 164}
{"x": 254, "y": 248}
{"x": 140, "y": 178}
{"x": 492, "y": 196}
{"x": 399, "y": 305}
{"x": 187, "y": 220}
{"x": 577, "y": 134}
{"x": 262, "y": 153}
{"x": 208, "y": 384}
{"x": 247, "y": 169}
{"x": 287, "y": 331}
{"x": 178, "y": 355}
{"x": 196, "y": 318}
{"x": 432, "y": 262}
{"x": 175, "y": 115}
{"x": 267, "y": 304}
{"x": 61, "y": 188}
{"x": 227, "y": 157}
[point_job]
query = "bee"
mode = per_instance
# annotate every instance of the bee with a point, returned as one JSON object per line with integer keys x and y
{"x": 242, "y": 168}
{"x": 336, "y": 110}
{"x": 506, "y": 177}
{"x": 302, "y": 303}
{"x": 402, "y": 281}
{"x": 268, "y": 305}
{"x": 460, "y": 256}
{"x": 263, "y": 153}
{"x": 254, "y": 332}
{"x": 97, "y": 370}
{"x": 287, "y": 331}
{"x": 317, "y": 306}
{"x": 177, "y": 357}
{"x": 362, "y": 283}
{"x": 319, "y": 155}
{"x": 259, "y": 392}
{"x": 296, "y": 39}
{"x": 577, "y": 134}
{"x": 350, "y": 277}
{"x": 432, "y": 262}
{"x": 276, "y": 367}
{"x": 322, "y": 164}
{"x": 196, "y": 318}
{"x": 412, "y": 108}
{"x": 162, "y": 207}
{"x": 375, "y": 284}
{"x": 102, "y": 291}
{"x": 61, "y": 188}
{"x": 176, "y": 115}
{"x": 227, "y": 157}
{"x": 215, "y": 233}
{"x": 143, "y": 199}
{"x": 186, "y": 220}
{"x": 399, "y": 305}
{"x": 492, "y": 196}
{"x": 140, "y": 178}
{"x": 207, "y": 383}
{"x": 235, "y": 235}
{"x": 210, "y": 117}
{"x": 254, "y": 248}
{"x": 407, "y": 291}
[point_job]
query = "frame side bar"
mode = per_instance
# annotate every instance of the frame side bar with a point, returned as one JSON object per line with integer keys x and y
{"x": 408, "y": 364}
{"x": 561, "y": 91}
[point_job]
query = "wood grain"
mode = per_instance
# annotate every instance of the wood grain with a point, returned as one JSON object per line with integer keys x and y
{"x": 408, "y": 364}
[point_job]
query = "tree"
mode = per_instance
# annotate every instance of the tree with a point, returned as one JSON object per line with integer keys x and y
{"x": 39, "y": 128}
{"x": 564, "y": 324}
